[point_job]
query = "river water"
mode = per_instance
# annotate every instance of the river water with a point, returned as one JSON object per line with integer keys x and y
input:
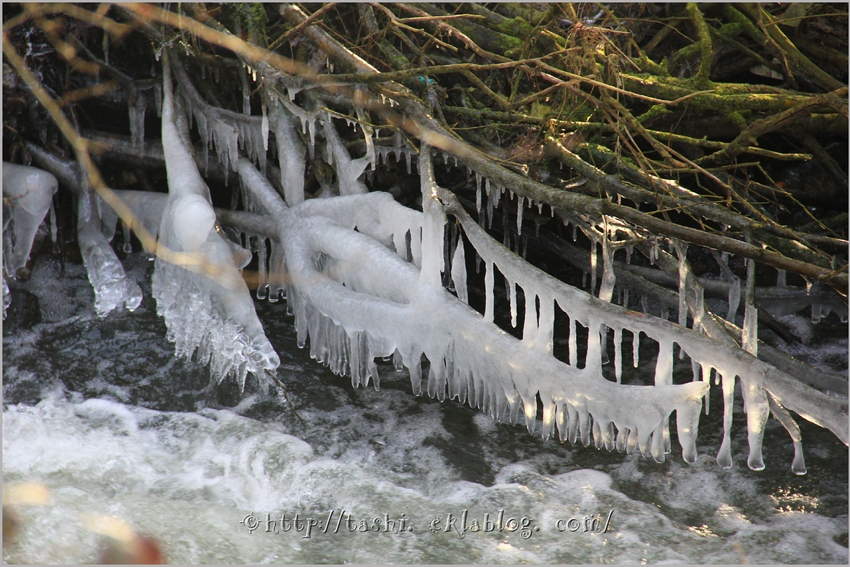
{"x": 101, "y": 413}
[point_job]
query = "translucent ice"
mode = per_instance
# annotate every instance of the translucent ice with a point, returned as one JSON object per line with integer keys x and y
{"x": 291, "y": 154}
{"x": 27, "y": 197}
{"x": 112, "y": 288}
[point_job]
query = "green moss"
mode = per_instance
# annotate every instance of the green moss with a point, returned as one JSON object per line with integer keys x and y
{"x": 731, "y": 29}
{"x": 737, "y": 119}
{"x": 655, "y": 111}
{"x": 247, "y": 18}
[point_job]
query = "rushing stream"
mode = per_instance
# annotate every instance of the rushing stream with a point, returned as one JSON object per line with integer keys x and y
{"x": 101, "y": 412}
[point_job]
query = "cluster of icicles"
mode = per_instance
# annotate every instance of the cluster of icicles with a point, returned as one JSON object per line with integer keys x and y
{"x": 362, "y": 276}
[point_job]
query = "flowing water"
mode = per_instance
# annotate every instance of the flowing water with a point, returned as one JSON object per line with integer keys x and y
{"x": 101, "y": 413}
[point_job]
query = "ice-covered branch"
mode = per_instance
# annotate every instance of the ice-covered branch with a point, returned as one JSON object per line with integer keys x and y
{"x": 356, "y": 298}
{"x": 819, "y": 408}
{"x": 112, "y": 287}
{"x": 208, "y": 311}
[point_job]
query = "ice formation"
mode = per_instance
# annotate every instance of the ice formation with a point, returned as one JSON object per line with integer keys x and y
{"x": 223, "y": 130}
{"x": 27, "y": 198}
{"x": 348, "y": 170}
{"x": 351, "y": 315}
{"x": 199, "y": 291}
{"x": 291, "y": 153}
{"x": 364, "y": 277}
{"x": 356, "y": 297}
{"x": 112, "y": 288}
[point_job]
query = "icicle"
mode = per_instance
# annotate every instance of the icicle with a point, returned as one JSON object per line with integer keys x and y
{"x": 128, "y": 247}
{"x": 635, "y": 348}
{"x": 664, "y": 364}
{"x": 724, "y": 455}
{"x": 397, "y": 145}
{"x": 490, "y": 209}
{"x": 606, "y": 289}
{"x": 112, "y": 288}
{"x": 277, "y": 273}
{"x": 489, "y": 279}
{"x": 434, "y": 219}
{"x": 512, "y": 296}
{"x": 798, "y": 466}
{"x": 758, "y": 410}
{"x": 755, "y": 398}
{"x": 780, "y": 278}
{"x": 246, "y": 94}
{"x": 459, "y": 271}
{"x": 663, "y": 377}
{"x": 700, "y": 311}
{"x": 734, "y": 298}
{"x": 264, "y": 128}
{"x": 706, "y": 377}
{"x": 695, "y": 370}
{"x": 749, "y": 338}
{"x": 530, "y": 409}
{"x": 478, "y": 194}
{"x": 548, "y": 420}
{"x": 546, "y": 324}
